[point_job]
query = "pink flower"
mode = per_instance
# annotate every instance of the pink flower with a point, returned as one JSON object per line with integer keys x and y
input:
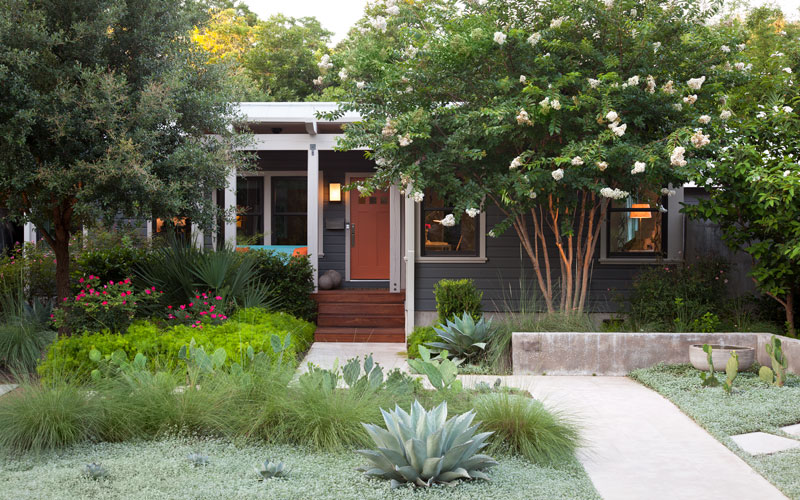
{"x": 110, "y": 282}
{"x": 171, "y": 316}
{"x": 129, "y": 292}
{"x": 183, "y": 307}
{"x": 217, "y": 298}
{"x": 192, "y": 326}
{"x": 197, "y": 296}
{"x": 104, "y": 292}
{"x": 65, "y": 299}
{"x": 80, "y": 280}
{"x": 191, "y": 304}
{"x": 105, "y": 302}
{"x": 128, "y": 281}
{"x": 186, "y": 317}
{"x": 213, "y": 316}
{"x": 124, "y": 302}
{"x": 198, "y": 321}
{"x": 169, "y": 307}
{"x": 122, "y": 294}
{"x": 147, "y": 291}
{"x": 211, "y": 308}
{"x": 154, "y": 288}
{"x": 203, "y": 313}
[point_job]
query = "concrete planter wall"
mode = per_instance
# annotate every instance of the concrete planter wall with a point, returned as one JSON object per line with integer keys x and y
{"x": 587, "y": 353}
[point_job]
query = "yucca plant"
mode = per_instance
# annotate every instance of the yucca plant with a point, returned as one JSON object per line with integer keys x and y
{"x": 269, "y": 470}
{"x": 424, "y": 448}
{"x": 463, "y": 337}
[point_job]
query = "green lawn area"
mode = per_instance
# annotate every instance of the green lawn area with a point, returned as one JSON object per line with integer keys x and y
{"x": 160, "y": 469}
{"x": 753, "y": 407}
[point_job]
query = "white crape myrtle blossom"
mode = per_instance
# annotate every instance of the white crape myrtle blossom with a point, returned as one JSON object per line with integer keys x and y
{"x": 558, "y": 174}
{"x": 522, "y": 78}
{"x": 788, "y": 109}
{"x": 448, "y": 221}
{"x": 777, "y": 54}
{"x": 633, "y": 81}
{"x": 668, "y": 192}
{"x": 677, "y": 106}
{"x": 410, "y": 51}
{"x": 638, "y": 167}
{"x": 612, "y": 116}
{"x": 651, "y": 84}
{"x": 545, "y": 103}
{"x": 318, "y": 80}
{"x": 656, "y": 46}
{"x": 761, "y": 114}
{"x": 619, "y": 130}
{"x": 361, "y": 188}
{"x": 556, "y": 104}
{"x": 690, "y": 99}
{"x": 557, "y": 22}
{"x": 726, "y": 114}
{"x": 577, "y": 161}
{"x": 534, "y": 39}
{"x": 388, "y": 129}
{"x": 405, "y": 140}
{"x": 668, "y": 88}
{"x": 699, "y": 139}
{"x": 695, "y": 83}
{"x": 325, "y": 62}
{"x": 343, "y": 74}
{"x": 787, "y": 70}
{"x": 393, "y": 10}
{"x": 418, "y": 196}
{"x": 379, "y": 23}
{"x": 741, "y": 46}
{"x": 515, "y": 163}
{"x": 615, "y": 194}
{"x": 472, "y": 212}
{"x": 709, "y": 181}
{"x": 499, "y": 37}
{"x": 523, "y": 118}
{"x": 360, "y": 85}
{"x": 725, "y": 49}
{"x": 786, "y": 173}
{"x": 704, "y": 119}
{"x": 601, "y": 165}
{"x": 593, "y": 83}
{"x": 676, "y": 158}
{"x": 532, "y": 194}
{"x": 491, "y": 233}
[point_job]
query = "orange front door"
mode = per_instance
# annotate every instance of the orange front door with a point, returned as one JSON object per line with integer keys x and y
{"x": 369, "y": 235}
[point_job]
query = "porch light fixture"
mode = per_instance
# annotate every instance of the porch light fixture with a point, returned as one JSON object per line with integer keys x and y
{"x": 335, "y": 192}
{"x": 641, "y": 215}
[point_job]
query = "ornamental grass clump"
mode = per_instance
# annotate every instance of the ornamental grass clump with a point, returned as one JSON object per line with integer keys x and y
{"x": 424, "y": 448}
{"x": 524, "y": 426}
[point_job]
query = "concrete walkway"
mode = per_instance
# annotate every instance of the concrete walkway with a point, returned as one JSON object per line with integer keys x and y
{"x": 5, "y": 388}
{"x": 638, "y": 444}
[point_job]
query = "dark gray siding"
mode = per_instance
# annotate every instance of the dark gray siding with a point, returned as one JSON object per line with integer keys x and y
{"x": 507, "y": 276}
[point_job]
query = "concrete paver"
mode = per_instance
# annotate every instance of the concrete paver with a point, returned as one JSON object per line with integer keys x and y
{"x": 762, "y": 443}
{"x": 4, "y": 388}
{"x": 792, "y": 429}
{"x": 386, "y": 354}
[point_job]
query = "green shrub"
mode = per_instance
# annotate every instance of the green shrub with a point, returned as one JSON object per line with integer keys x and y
{"x": 38, "y": 417}
{"x": 699, "y": 286}
{"x": 22, "y": 344}
{"x": 115, "y": 263}
{"x": 455, "y": 297}
{"x": 30, "y": 267}
{"x": 70, "y": 355}
{"x": 420, "y": 336}
{"x": 292, "y": 278}
{"x": 523, "y": 425}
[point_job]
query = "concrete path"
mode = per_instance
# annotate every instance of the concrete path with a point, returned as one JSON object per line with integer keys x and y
{"x": 638, "y": 445}
{"x": 4, "y": 388}
{"x": 324, "y": 354}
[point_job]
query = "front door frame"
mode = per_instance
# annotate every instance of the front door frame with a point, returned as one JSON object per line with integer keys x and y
{"x": 394, "y": 229}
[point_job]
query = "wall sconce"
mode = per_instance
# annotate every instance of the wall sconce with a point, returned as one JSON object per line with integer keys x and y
{"x": 641, "y": 215}
{"x": 334, "y": 192}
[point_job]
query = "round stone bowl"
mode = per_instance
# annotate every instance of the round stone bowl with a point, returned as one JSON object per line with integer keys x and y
{"x": 720, "y": 354}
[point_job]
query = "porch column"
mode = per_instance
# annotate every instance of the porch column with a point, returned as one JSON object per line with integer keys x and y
{"x": 29, "y": 232}
{"x": 312, "y": 211}
{"x": 395, "y": 243}
{"x": 409, "y": 256}
{"x": 230, "y": 205}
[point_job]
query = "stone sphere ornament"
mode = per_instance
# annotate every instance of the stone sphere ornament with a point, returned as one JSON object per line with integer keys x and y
{"x": 336, "y": 276}
{"x": 325, "y": 282}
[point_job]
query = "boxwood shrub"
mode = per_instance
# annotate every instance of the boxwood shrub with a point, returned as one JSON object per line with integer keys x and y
{"x": 69, "y": 356}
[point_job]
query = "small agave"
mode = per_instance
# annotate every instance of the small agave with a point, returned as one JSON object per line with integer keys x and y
{"x": 198, "y": 459}
{"x": 270, "y": 470}
{"x": 94, "y": 471}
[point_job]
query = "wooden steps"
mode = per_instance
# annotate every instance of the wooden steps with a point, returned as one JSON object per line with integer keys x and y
{"x": 358, "y": 315}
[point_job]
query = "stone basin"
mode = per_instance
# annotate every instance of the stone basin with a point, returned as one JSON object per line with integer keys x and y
{"x": 720, "y": 354}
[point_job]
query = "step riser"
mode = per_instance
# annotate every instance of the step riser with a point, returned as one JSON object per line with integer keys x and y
{"x": 364, "y": 321}
{"x": 360, "y": 298}
{"x": 359, "y": 337}
{"x": 361, "y": 309}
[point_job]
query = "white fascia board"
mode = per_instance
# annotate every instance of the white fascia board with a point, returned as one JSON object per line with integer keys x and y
{"x": 291, "y": 112}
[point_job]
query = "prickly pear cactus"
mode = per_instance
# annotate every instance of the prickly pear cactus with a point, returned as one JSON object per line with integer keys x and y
{"x": 731, "y": 372}
{"x": 779, "y": 362}
{"x": 766, "y": 374}
{"x": 708, "y": 378}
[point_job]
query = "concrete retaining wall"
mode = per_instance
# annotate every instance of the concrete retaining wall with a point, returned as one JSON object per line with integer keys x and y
{"x": 587, "y": 353}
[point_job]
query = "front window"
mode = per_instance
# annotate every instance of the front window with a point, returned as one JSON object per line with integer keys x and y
{"x": 249, "y": 210}
{"x": 289, "y": 206}
{"x": 439, "y": 240}
{"x": 636, "y": 227}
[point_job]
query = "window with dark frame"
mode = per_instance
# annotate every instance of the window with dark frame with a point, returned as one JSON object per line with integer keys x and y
{"x": 637, "y": 228}
{"x": 437, "y": 240}
{"x": 289, "y": 211}
{"x": 250, "y": 210}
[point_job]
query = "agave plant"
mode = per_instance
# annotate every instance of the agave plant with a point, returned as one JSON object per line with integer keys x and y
{"x": 463, "y": 337}
{"x": 423, "y": 447}
{"x": 198, "y": 459}
{"x": 270, "y": 469}
{"x": 94, "y": 471}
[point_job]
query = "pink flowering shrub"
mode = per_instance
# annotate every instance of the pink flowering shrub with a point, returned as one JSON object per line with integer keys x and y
{"x": 205, "y": 309}
{"x": 103, "y": 306}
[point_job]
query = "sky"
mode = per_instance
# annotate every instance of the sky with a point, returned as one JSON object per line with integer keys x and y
{"x": 339, "y": 15}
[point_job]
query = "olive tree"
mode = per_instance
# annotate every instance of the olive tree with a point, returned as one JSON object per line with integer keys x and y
{"x": 546, "y": 110}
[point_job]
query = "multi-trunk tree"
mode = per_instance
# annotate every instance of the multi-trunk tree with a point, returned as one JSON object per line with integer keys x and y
{"x": 105, "y": 110}
{"x": 547, "y": 110}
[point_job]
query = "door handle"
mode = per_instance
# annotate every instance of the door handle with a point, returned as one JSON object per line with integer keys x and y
{"x": 352, "y": 235}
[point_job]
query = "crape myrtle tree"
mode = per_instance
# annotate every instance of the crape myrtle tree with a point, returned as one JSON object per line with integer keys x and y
{"x": 547, "y": 110}
{"x": 104, "y": 110}
{"x": 751, "y": 170}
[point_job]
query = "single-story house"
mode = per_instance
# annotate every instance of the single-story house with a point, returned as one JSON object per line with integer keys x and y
{"x": 395, "y": 248}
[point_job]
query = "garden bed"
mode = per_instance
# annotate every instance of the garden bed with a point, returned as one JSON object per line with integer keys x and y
{"x": 160, "y": 469}
{"x": 754, "y": 406}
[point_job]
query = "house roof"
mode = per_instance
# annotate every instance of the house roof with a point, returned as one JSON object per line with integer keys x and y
{"x": 292, "y": 112}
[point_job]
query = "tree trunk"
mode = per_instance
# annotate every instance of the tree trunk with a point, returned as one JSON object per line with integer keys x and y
{"x": 790, "y": 314}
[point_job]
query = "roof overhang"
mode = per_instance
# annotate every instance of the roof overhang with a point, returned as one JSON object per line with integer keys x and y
{"x": 307, "y": 113}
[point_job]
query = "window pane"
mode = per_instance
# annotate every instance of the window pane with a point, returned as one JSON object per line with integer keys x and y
{"x": 289, "y": 194}
{"x": 459, "y": 239}
{"x": 249, "y": 210}
{"x": 289, "y": 230}
{"x": 635, "y": 231}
